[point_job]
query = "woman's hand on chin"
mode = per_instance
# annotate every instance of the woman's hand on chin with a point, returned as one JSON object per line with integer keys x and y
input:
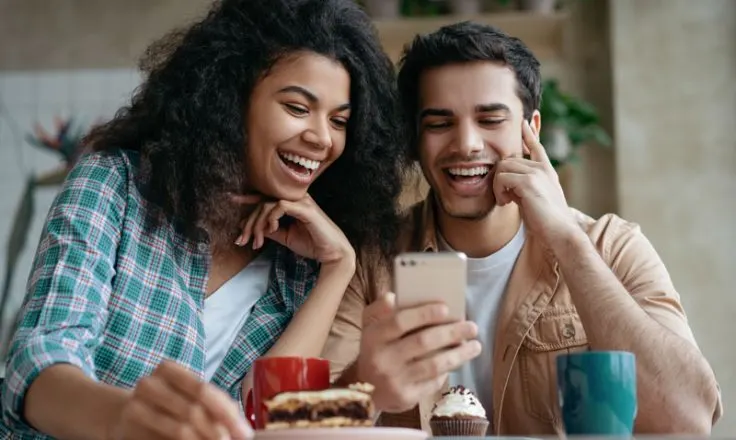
{"x": 312, "y": 234}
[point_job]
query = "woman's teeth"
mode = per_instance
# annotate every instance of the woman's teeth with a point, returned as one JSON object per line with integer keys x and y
{"x": 469, "y": 172}
{"x": 309, "y": 164}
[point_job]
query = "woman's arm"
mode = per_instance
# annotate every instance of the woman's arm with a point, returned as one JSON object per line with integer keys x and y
{"x": 51, "y": 383}
{"x": 89, "y": 415}
{"x": 315, "y": 236}
{"x": 65, "y": 309}
{"x": 308, "y": 330}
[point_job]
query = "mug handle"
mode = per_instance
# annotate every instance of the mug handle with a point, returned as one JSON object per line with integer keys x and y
{"x": 249, "y": 413}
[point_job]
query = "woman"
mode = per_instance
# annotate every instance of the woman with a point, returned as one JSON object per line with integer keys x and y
{"x": 262, "y": 150}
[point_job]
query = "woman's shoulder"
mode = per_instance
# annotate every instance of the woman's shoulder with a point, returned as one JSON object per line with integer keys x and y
{"x": 100, "y": 181}
{"x": 106, "y": 165}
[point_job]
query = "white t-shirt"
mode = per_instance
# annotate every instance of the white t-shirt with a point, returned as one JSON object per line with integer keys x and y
{"x": 226, "y": 310}
{"x": 487, "y": 281}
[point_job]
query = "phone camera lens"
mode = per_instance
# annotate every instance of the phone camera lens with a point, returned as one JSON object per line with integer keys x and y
{"x": 403, "y": 263}
{"x": 412, "y": 263}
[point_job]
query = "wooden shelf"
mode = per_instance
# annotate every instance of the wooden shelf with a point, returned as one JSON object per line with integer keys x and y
{"x": 110, "y": 34}
{"x": 543, "y": 33}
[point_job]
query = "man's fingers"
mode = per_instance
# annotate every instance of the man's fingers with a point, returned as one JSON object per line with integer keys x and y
{"x": 431, "y": 339}
{"x": 518, "y": 165}
{"x": 429, "y": 387}
{"x": 412, "y": 319}
{"x": 536, "y": 149}
{"x": 383, "y": 308}
{"x": 432, "y": 367}
{"x": 510, "y": 187}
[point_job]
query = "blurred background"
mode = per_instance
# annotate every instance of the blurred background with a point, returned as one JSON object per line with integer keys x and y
{"x": 639, "y": 108}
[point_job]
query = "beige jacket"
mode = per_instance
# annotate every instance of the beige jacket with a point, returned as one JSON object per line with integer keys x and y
{"x": 537, "y": 320}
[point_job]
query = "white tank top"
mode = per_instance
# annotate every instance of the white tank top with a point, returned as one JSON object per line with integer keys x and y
{"x": 226, "y": 310}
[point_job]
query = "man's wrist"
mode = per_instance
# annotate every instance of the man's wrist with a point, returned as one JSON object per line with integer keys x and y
{"x": 572, "y": 240}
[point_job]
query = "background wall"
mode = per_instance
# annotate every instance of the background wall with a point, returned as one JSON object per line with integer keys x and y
{"x": 675, "y": 108}
{"x": 30, "y": 97}
{"x": 661, "y": 73}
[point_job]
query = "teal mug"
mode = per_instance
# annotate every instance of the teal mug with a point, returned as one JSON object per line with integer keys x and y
{"x": 597, "y": 392}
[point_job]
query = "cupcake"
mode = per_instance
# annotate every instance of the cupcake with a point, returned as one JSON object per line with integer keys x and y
{"x": 458, "y": 413}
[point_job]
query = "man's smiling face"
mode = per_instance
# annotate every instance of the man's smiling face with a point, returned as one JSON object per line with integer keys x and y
{"x": 470, "y": 117}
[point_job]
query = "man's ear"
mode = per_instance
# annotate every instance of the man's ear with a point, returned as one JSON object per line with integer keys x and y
{"x": 536, "y": 123}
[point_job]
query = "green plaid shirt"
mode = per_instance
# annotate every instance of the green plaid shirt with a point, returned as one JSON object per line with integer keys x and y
{"x": 114, "y": 298}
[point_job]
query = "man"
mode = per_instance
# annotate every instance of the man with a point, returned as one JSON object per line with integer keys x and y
{"x": 543, "y": 278}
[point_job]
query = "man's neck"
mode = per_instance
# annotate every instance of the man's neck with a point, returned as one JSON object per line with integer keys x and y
{"x": 480, "y": 238}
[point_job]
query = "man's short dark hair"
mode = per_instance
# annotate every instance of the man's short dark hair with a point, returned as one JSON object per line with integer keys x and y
{"x": 460, "y": 43}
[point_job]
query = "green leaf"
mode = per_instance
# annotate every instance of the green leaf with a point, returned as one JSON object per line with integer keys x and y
{"x": 577, "y": 117}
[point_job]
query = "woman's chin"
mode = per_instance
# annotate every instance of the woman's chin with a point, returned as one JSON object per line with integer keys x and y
{"x": 289, "y": 195}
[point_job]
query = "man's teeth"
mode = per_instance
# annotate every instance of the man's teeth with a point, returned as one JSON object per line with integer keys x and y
{"x": 475, "y": 171}
{"x": 303, "y": 161}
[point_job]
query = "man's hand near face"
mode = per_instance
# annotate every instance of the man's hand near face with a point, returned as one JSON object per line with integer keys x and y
{"x": 407, "y": 354}
{"x": 534, "y": 185}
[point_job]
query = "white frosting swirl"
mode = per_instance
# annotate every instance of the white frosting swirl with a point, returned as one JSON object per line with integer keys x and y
{"x": 459, "y": 401}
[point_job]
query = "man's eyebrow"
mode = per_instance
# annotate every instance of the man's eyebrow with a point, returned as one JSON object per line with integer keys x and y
{"x": 480, "y": 108}
{"x": 490, "y": 108}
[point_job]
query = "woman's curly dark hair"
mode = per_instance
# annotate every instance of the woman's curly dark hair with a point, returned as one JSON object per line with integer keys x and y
{"x": 187, "y": 118}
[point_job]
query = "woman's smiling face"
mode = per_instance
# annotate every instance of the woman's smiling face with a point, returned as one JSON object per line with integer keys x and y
{"x": 296, "y": 124}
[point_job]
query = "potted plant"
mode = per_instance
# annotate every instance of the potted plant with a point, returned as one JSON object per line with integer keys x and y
{"x": 568, "y": 122}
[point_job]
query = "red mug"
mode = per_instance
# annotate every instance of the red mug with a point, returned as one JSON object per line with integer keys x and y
{"x": 274, "y": 375}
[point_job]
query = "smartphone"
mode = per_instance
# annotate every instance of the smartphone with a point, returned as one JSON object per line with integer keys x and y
{"x": 423, "y": 277}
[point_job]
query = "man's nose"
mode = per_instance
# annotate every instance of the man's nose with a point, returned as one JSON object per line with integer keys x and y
{"x": 469, "y": 141}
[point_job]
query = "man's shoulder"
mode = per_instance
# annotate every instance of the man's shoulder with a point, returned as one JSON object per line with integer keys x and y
{"x": 607, "y": 226}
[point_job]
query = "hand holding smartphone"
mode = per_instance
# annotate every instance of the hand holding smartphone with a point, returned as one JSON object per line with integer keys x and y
{"x": 409, "y": 353}
{"x": 425, "y": 277}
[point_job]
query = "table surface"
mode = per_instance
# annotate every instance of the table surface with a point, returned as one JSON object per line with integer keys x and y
{"x": 585, "y": 437}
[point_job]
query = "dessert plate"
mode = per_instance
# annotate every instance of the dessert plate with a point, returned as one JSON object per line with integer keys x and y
{"x": 343, "y": 433}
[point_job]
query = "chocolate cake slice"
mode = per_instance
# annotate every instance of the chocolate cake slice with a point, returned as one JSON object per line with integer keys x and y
{"x": 334, "y": 407}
